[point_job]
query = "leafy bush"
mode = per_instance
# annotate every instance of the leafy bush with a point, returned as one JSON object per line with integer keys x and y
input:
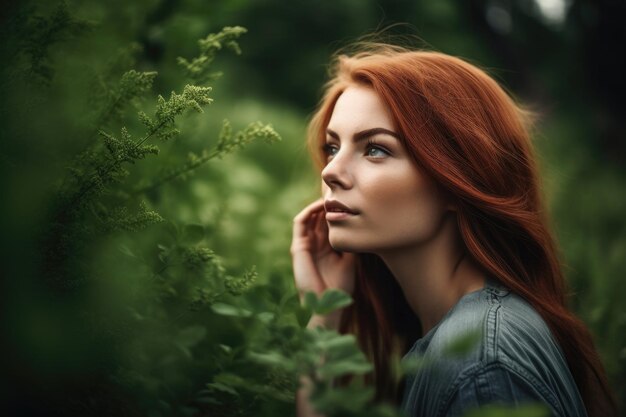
{"x": 166, "y": 327}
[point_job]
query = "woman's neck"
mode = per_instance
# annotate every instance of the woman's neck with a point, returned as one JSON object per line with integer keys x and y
{"x": 435, "y": 274}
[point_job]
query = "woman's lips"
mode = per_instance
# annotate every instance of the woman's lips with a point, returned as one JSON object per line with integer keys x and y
{"x": 338, "y": 215}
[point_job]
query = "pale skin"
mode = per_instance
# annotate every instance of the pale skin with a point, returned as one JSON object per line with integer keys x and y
{"x": 402, "y": 217}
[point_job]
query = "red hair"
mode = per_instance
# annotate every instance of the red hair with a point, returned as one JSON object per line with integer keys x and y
{"x": 464, "y": 130}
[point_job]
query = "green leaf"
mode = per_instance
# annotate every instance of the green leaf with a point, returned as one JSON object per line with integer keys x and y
{"x": 342, "y": 367}
{"x": 287, "y": 332}
{"x": 229, "y": 310}
{"x": 274, "y": 359}
{"x": 185, "y": 350}
{"x": 332, "y": 299}
{"x": 222, "y": 387}
{"x": 528, "y": 410}
{"x": 412, "y": 364}
{"x": 310, "y": 300}
{"x": 207, "y": 400}
{"x": 333, "y": 401}
{"x": 230, "y": 379}
{"x": 333, "y": 342}
{"x": 463, "y": 344}
{"x": 265, "y": 317}
{"x": 126, "y": 251}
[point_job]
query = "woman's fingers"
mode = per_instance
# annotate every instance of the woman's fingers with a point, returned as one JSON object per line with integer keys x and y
{"x": 304, "y": 221}
{"x": 312, "y": 225}
{"x": 321, "y": 229}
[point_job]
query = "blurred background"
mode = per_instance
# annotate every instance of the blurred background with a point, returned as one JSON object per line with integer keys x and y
{"x": 100, "y": 323}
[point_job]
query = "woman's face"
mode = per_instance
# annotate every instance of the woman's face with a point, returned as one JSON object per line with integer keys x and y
{"x": 397, "y": 206}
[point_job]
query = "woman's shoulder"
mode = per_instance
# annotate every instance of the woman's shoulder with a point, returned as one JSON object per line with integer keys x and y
{"x": 497, "y": 325}
{"x": 494, "y": 336}
{"x": 492, "y": 324}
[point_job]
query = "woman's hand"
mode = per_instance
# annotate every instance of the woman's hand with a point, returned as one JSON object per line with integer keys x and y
{"x": 316, "y": 265}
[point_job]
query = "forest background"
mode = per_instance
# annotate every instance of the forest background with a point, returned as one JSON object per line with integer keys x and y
{"x": 146, "y": 266}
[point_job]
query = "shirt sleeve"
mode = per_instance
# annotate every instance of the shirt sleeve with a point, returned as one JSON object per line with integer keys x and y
{"x": 495, "y": 384}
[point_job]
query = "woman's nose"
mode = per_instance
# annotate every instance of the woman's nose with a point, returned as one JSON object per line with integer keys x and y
{"x": 336, "y": 172}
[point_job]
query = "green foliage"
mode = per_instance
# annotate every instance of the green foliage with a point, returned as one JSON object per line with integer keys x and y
{"x": 198, "y": 68}
{"x": 39, "y": 33}
{"x": 464, "y": 343}
{"x": 237, "y": 286}
{"x": 324, "y": 355}
{"x": 163, "y": 126}
{"x": 329, "y": 300}
{"x": 119, "y": 218}
{"x": 131, "y": 86}
{"x": 227, "y": 143}
{"x": 173, "y": 274}
{"x": 530, "y": 410}
{"x": 94, "y": 172}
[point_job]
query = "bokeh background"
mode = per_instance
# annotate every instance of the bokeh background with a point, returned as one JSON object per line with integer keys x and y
{"x": 110, "y": 331}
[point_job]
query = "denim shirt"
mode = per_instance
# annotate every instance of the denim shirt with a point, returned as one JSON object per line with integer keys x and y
{"x": 516, "y": 360}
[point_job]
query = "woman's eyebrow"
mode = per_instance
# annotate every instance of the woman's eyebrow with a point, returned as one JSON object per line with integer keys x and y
{"x": 364, "y": 134}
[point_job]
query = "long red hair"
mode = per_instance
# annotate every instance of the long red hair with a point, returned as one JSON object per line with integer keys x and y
{"x": 465, "y": 131}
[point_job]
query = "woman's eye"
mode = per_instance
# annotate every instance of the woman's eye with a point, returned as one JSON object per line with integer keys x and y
{"x": 376, "y": 148}
{"x": 378, "y": 152}
{"x": 328, "y": 149}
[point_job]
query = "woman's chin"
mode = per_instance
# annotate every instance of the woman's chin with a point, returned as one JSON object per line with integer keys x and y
{"x": 343, "y": 246}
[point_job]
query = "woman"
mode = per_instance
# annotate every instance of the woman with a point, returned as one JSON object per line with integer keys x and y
{"x": 432, "y": 218}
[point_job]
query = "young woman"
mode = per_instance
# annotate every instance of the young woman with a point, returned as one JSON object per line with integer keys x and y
{"x": 432, "y": 218}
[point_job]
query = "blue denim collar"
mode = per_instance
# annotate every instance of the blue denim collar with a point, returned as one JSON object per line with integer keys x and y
{"x": 491, "y": 285}
{"x": 495, "y": 286}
